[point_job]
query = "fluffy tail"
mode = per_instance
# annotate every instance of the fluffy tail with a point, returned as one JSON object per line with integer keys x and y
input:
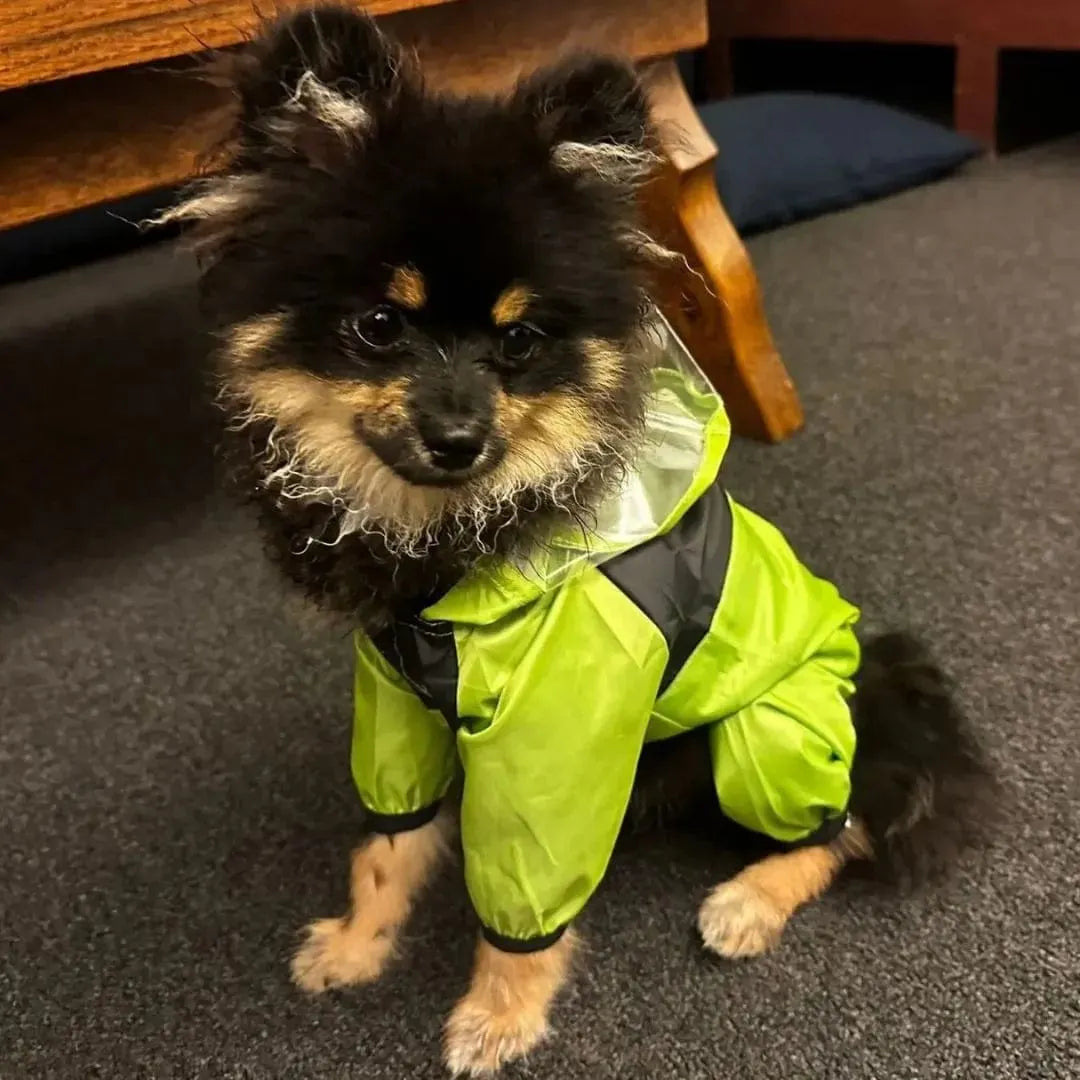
{"x": 920, "y": 784}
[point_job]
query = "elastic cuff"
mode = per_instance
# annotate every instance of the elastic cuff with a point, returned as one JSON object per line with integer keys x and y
{"x": 522, "y": 945}
{"x": 392, "y": 824}
{"x": 826, "y": 833}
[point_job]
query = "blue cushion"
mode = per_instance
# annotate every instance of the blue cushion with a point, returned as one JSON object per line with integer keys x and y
{"x": 789, "y": 156}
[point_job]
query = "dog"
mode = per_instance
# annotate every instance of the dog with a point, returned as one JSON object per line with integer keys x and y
{"x": 467, "y": 431}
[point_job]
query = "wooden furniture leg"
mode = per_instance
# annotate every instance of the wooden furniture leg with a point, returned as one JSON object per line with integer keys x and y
{"x": 712, "y": 296}
{"x": 976, "y": 90}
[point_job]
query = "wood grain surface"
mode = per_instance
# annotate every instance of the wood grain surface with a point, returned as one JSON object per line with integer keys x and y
{"x": 483, "y": 45}
{"x": 59, "y": 38}
{"x": 82, "y": 141}
{"x": 93, "y": 138}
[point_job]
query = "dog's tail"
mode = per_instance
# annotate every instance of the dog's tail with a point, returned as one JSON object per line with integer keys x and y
{"x": 921, "y": 786}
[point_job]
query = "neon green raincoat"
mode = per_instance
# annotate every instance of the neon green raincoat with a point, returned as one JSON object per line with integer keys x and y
{"x": 542, "y": 682}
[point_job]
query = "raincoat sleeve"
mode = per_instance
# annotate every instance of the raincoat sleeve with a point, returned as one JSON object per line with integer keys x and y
{"x": 403, "y": 754}
{"x": 782, "y": 764}
{"x": 548, "y": 773}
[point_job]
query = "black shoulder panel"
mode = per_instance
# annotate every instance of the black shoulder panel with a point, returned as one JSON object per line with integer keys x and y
{"x": 677, "y": 579}
{"x": 425, "y": 654}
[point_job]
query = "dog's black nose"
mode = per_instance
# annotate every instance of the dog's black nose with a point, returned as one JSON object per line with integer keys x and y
{"x": 456, "y": 444}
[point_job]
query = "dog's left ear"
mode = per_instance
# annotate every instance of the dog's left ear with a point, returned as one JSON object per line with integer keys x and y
{"x": 310, "y": 91}
{"x": 594, "y": 112}
{"x": 312, "y": 86}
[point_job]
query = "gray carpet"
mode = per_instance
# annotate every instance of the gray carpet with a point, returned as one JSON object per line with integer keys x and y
{"x": 174, "y": 793}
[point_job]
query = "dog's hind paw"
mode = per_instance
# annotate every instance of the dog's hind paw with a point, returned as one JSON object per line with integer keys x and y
{"x": 737, "y": 920}
{"x": 479, "y": 1040}
{"x": 337, "y": 952}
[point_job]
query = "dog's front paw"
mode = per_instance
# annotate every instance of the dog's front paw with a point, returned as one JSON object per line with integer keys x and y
{"x": 737, "y": 920}
{"x": 340, "y": 952}
{"x": 483, "y": 1036}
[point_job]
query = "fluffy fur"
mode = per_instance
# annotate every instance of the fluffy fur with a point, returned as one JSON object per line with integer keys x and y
{"x": 921, "y": 786}
{"x": 429, "y": 312}
{"x": 495, "y": 241}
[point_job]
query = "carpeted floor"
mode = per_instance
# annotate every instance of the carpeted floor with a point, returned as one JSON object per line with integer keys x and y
{"x": 174, "y": 793}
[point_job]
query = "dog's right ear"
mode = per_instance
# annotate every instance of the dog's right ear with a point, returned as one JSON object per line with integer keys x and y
{"x": 594, "y": 113}
{"x": 311, "y": 85}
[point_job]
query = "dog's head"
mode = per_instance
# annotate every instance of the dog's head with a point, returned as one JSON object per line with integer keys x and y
{"x": 430, "y": 302}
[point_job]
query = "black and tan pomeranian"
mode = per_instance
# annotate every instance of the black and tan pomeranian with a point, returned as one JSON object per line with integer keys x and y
{"x": 467, "y": 431}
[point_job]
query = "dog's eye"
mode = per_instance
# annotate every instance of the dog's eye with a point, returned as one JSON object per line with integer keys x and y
{"x": 380, "y": 327}
{"x": 519, "y": 340}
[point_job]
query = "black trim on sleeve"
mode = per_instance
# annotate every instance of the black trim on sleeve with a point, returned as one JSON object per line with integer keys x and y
{"x": 677, "y": 579}
{"x": 392, "y": 824}
{"x": 826, "y": 833}
{"x": 522, "y": 945}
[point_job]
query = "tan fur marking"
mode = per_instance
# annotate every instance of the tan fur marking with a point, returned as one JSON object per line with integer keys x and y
{"x": 543, "y": 433}
{"x": 794, "y": 878}
{"x": 317, "y": 453}
{"x": 286, "y": 394}
{"x": 746, "y": 915}
{"x": 318, "y": 415}
{"x": 512, "y": 305}
{"x": 386, "y": 875}
{"x": 510, "y": 412}
{"x": 252, "y": 340}
{"x": 407, "y": 288}
{"x": 563, "y": 421}
{"x": 505, "y": 1012}
{"x": 606, "y": 364}
{"x": 382, "y": 407}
